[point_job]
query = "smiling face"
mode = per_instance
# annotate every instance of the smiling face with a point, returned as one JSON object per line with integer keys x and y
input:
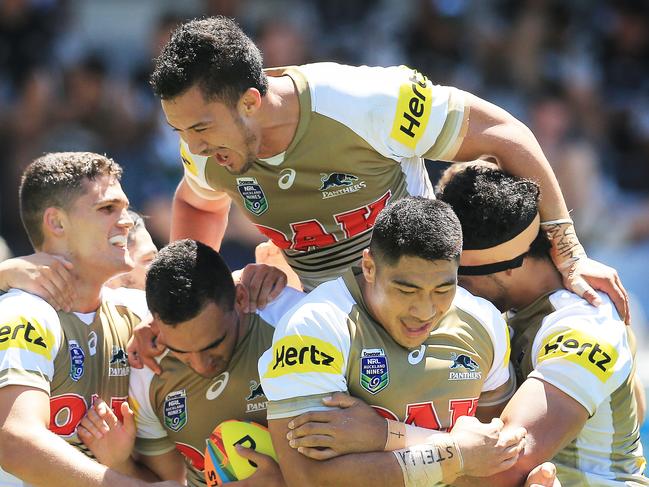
{"x": 215, "y": 129}
{"x": 96, "y": 227}
{"x": 409, "y": 297}
{"x": 206, "y": 342}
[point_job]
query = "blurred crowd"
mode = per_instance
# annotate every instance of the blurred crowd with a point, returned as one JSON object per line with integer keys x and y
{"x": 74, "y": 76}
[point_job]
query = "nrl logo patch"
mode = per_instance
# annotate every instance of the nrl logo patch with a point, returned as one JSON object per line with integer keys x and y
{"x": 253, "y": 196}
{"x": 470, "y": 366}
{"x": 256, "y": 392}
{"x": 118, "y": 365}
{"x": 175, "y": 410}
{"x": 374, "y": 370}
{"x": 77, "y": 359}
{"x": 339, "y": 183}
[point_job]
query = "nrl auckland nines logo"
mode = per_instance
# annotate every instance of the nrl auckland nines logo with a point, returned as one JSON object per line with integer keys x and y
{"x": 339, "y": 183}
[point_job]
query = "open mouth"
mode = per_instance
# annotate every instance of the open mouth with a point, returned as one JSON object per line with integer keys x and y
{"x": 416, "y": 330}
{"x": 119, "y": 241}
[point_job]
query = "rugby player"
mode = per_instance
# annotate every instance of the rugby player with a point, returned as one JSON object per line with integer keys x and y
{"x": 53, "y": 364}
{"x": 312, "y": 153}
{"x": 399, "y": 334}
{"x": 575, "y": 362}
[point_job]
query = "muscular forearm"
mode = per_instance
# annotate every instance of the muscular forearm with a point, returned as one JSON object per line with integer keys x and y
{"x": 39, "y": 457}
{"x": 190, "y": 222}
{"x": 136, "y": 470}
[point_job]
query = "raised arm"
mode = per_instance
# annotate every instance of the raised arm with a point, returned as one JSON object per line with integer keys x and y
{"x": 202, "y": 217}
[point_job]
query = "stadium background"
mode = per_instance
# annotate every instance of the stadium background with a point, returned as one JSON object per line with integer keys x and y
{"x": 73, "y": 76}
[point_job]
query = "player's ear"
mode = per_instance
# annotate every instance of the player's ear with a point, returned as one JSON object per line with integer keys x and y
{"x": 54, "y": 222}
{"x": 241, "y": 297}
{"x": 250, "y": 102}
{"x": 368, "y": 265}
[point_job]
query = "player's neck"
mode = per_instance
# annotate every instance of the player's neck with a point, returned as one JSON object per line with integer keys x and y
{"x": 536, "y": 278}
{"x": 280, "y": 114}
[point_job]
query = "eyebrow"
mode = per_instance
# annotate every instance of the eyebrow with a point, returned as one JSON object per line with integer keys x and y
{"x": 410, "y": 284}
{"x": 197, "y": 124}
{"x": 112, "y": 201}
{"x": 214, "y": 344}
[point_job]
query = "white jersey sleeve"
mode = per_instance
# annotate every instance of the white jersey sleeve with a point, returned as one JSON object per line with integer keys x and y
{"x": 397, "y": 110}
{"x": 194, "y": 167}
{"x": 308, "y": 357}
{"x": 281, "y": 305}
{"x": 133, "y": 299}
{"x": 151, "y": 437}
{"x": 492, "y": 321}
{"x": 30, "y": 338}
{"x": 583, "y": 351}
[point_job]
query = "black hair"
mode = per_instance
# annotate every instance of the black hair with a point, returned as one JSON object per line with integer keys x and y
{"x": 416, "y": 227}
{"x": 215, "y": 54}
{"x": 185, "y": 276}
{"x": 57, "y": 180}
{"x": 493, "y": 207}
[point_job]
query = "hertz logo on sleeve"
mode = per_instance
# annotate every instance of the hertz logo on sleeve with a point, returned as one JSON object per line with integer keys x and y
{"x": 595, "y": 355}
{"x": 299, "y": 354}
{"x": 27, "y": 334}
{"x": 187, "y": 159}
{"x": 413, "y": 110}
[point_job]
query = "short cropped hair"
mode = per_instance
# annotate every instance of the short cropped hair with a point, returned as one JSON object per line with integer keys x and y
{"x": 185, "y": 277}
{"x": 416, "y": 227}
{"x": 213, "y": 53}
{"x": 56, "y": 180}
{"x": 493, "y": 207}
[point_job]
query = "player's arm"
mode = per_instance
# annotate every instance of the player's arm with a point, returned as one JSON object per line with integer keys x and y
{"x": 492, "y": 131}
{"x": 378, "y": 469}
{"x": 552, "y": 420}
{"x": 31, "y": 452}
{"x": 167, "y": 466}
{"x": 203, "y": 216}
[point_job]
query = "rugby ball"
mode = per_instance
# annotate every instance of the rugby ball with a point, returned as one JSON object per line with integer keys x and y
{"x": 222, "y": 462}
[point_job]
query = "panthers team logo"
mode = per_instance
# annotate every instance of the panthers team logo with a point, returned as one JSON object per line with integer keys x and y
{"x": 339, "y": 183}
{"x": 255, "y": 391}
{"x": 256, "y": 400}
{"x": 77, "y": 360}
{"x": 253, "y": 195}
{"x": 470, "y": 366}
{"x": 118, "y": 365}
{"x": 175, "y": 410}
{"x": 374, "y": 370}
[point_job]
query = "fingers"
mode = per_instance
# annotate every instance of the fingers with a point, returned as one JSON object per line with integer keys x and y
{"x": 134, "y": 359}
{"x": 311, "y": 441}
{"x": 310, "y": 429}
{"x": 253, "y": 455}
{"x": 543, "y": 475}
{"x": 311, "y": 416}
{"x": 511, "y": 437}
{"x": 627, "y": 304}
{"x": 318, "y": 454}
{"x": 340, "y": 400}
{"x": 128, "y": 417}
{"x": 143, "y": 348}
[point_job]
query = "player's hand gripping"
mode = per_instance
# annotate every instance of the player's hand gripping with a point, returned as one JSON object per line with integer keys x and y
{"x": 267, "y": 474}
{"x": 544, "y": 475}
{"x": 352, "y": 428}
{"x": 144, "y": 346}
{"x": 264, "y": 283}
{"x": 109, "y": 439}
{"x": 45, "y": 275}
{"x": 486, "y": 448}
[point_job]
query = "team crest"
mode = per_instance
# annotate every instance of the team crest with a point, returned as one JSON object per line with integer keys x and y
{"x": 374, "y": 370}
{"x": 175, "y": 410}
{"x": 470, "y": 366}
{"x": 253, "y": 195}
{"x": 339, "y": 183}
{"x": 118, "y": 365}
{"x": 77, "y": 359}
{"x": 256, "y": 399}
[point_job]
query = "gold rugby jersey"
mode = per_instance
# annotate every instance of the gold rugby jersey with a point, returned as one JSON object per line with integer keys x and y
{"x": 179, "y": 408}
{"x": 587, "y": 352}
{"x": 360, "y": 142}
{"x": 331, "y": 343}
{"x": 73, "y": 357}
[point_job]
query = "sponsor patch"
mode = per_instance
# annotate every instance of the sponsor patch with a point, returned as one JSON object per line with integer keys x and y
{"x": 256, "y": 399}
{"x": 299, "y": 354}
{"x": 464, "y": 368}
{"x": 413, "y": 110}
{"x": 175, "y": 410}
{"x": 374, "y": 370}
{"x": 118, "y": 365}
{"x": 593, "y": 354}
{"x": 253, "y": 195}
{"x": 28, "y": 334}
{"x": 77, "y": 360}
{"x": 187, "y": 159}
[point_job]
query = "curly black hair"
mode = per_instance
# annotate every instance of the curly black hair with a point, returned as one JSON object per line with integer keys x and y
{"x": 185, "y": 277}
{"x": 215, "y": 54}
{"x": 493, "y": 207}
{"x": 416, "y": 227}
